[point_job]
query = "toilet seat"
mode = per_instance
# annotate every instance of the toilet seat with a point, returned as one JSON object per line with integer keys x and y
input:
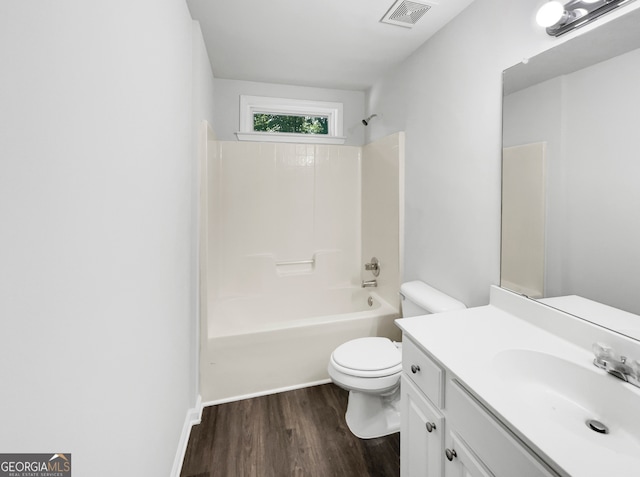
{"x": 370, "y": 357}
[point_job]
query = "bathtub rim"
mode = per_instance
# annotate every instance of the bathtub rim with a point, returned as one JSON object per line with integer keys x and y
{"x": 385, "y": 309}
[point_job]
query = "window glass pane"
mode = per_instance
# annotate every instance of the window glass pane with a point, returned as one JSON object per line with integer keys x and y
{"x": 290, "y": 124}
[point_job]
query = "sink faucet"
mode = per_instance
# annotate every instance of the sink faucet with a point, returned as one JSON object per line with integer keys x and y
{"x": 369, "y": 283}
{"x": 607, "y": 359}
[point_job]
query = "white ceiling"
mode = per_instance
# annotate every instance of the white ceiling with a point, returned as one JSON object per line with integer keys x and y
{"x": 324, "y": 43}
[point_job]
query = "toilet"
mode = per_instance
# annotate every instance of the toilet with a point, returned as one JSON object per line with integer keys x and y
{"x": 369, "y": 368}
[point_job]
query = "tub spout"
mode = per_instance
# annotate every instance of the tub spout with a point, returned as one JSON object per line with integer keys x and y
{"x": 369, "y": 283}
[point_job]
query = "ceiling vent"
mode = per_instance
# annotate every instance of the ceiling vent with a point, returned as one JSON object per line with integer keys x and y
{"x": 405, "y": 13}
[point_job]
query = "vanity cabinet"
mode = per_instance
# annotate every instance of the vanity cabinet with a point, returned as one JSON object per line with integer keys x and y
{"x": 447, "y": 432}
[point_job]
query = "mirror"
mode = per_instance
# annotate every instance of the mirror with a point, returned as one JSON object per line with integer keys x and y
{"x": 571, "y": 176}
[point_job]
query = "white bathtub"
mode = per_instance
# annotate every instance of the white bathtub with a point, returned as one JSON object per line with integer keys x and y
{"x": 257, "y": 345}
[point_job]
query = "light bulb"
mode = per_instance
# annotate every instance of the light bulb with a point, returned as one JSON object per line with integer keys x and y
{"x": 550, "y": 13}
{"x": 590, "y": 1}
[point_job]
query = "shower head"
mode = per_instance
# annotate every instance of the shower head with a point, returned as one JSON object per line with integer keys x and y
{"x": 366, "y": 121}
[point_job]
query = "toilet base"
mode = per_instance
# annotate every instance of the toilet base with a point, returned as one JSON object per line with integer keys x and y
{"x": 373, "y": 415}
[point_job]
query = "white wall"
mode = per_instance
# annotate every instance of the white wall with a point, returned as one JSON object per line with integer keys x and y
{"x": 96, "y": 200}
{"x": 227, "y": 99}
{"x": 447, "y": 98}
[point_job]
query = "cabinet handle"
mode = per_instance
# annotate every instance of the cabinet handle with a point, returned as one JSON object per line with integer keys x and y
{"x": 415, "y": 368}
{"x": 450, "y": 453}
{"x": 430, "y": 426}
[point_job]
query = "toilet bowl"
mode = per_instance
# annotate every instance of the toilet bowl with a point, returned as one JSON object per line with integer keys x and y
{"x": 369, "y": 368}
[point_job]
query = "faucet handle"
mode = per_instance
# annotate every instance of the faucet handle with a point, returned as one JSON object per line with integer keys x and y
{"x": 373, "y": 266}
{"x": 602, "y": 351}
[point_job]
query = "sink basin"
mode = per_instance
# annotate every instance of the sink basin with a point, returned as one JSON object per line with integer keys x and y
{"x": 560, "y": 396}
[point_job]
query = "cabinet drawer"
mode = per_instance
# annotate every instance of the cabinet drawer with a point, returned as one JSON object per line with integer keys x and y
{"x": 427, "y": 375}
{"x": 496, "y": 447}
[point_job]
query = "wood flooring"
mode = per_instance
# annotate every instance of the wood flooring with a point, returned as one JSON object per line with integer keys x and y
{"x": 296, "y": 433}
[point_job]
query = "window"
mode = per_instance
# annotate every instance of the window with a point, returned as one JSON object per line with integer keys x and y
{"x": 290, "y": 120}
{"x": 289, "y": 123}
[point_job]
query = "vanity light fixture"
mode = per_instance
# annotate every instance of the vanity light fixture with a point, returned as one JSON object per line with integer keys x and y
{"x": 559, "y": 18}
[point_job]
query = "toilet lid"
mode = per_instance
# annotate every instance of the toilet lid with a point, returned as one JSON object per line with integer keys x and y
{"x": 368, "y": 354}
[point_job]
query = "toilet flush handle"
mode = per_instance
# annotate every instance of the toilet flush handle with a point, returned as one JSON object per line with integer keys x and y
{"x": 415, "y": 368}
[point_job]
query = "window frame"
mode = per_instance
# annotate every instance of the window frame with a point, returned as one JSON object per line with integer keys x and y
{"x": 251, "y": 105}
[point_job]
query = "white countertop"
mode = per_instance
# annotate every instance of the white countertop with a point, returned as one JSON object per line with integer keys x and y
{"x": 467, "y": 342}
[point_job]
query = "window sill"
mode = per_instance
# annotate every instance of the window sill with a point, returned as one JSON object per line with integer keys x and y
{"x": 290, "y": 137}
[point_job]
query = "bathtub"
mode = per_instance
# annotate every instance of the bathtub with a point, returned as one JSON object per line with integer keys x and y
{"x": 262, "y": 344}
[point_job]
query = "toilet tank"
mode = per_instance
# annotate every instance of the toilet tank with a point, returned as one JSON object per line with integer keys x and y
{"x": 418, "y": 298}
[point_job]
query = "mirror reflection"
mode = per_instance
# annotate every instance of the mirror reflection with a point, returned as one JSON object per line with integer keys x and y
{"x": 571, "y": 176}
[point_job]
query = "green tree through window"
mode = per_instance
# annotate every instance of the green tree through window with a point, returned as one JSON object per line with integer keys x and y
{"x": 290, "y": 124}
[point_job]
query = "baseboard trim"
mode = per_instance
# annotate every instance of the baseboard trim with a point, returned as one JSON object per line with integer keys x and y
{"x": 264, "y": 393}
{"x": 193, "y": 417}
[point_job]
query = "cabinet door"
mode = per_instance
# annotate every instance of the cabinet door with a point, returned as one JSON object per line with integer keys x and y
{"x": 463, "y": 461}
{"x": 421, "y": 434}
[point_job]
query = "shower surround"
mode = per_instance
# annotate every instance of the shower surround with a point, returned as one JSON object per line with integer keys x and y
{"x": 286, "y": 227}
